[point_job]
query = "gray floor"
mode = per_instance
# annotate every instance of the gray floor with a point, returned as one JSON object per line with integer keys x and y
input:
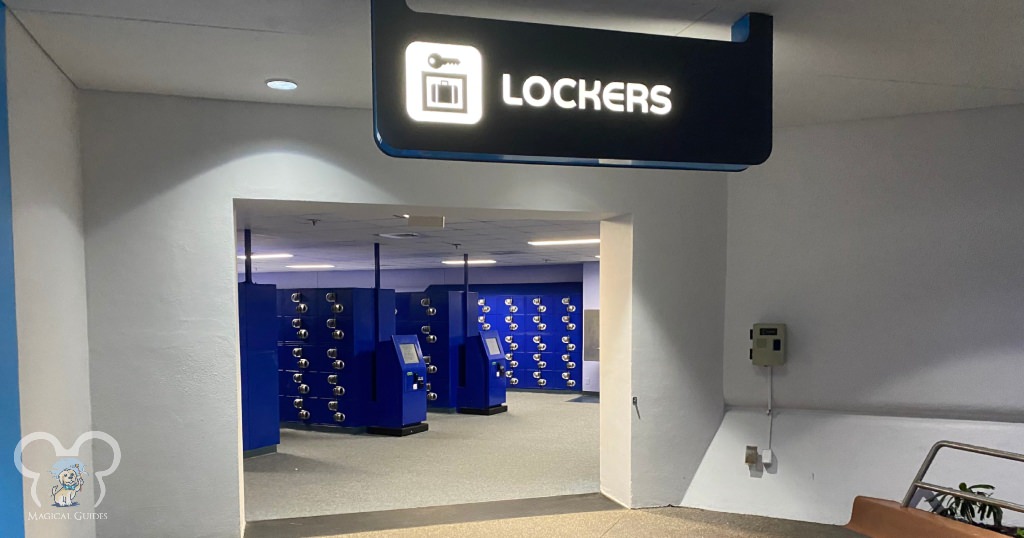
{"x": 652, "y": 523}
{"x": 545, "y": 446}
{"x": 573, "y": 516}
{"x": 393, "y": 520}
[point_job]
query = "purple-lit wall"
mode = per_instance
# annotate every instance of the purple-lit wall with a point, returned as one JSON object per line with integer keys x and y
{"x": 418, "y": 279}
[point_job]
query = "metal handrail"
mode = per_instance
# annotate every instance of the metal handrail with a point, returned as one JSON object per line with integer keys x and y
{"x": 919, "y": 482}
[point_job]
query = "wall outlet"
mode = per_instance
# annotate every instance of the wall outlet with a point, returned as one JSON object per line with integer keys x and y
{"x": 750, "y": 458}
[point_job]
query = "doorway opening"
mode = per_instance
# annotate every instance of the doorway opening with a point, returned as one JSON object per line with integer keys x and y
{"x": 538, "y": 299}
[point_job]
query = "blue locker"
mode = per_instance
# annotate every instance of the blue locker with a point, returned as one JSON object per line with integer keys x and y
{"x": 436, "y": 318}
{"x": 257, "y": 320}
{"x": 336, "y": 303}
{"x": 311, "y": 384}
{"x": 520, "y": 312}
{"x": 336, "y": 359}
{"x": 301, "y": 302}
{"x": 412, "y": 307}
{"x": 310, "y": 411}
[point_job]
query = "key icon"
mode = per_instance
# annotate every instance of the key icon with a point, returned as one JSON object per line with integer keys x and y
{"x": 437, "y": 61}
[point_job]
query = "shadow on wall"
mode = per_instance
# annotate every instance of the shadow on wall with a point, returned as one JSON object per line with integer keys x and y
{"x": 892, "y": 251}
{"x": 301, "y": 149}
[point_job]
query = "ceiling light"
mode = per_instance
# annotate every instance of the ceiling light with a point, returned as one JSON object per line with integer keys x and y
{"x": 471, "y": 262}
{"x": 281, "y": 84}
{"x": 564, "y": 242}
{"x": 267, "y": 256}
{"x": 400, "y": 235}
{"x": 310, "y": 266}
{"x": 598, "y": 256}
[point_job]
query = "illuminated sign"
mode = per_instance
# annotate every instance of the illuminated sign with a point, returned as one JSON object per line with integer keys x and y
{"x": 613, "y": 96}
{"x": 444, "y": 83}
{"x": 461, "y": 88}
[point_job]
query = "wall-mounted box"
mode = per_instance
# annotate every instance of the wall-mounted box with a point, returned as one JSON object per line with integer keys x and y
{"x": 768, "y": 344}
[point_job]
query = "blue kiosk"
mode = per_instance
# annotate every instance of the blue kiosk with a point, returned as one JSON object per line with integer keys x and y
{"x": 401, "y": 388}
{"x": 483, "y": 392}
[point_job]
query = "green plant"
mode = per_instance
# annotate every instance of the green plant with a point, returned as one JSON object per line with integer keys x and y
{"x": 1020, "y": 533}
{"x": 969, "y": 510}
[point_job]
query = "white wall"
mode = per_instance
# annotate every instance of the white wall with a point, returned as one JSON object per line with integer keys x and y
{"x": 49, "y": 260}
{"x": 591, "y": 301}
{"x": 161, "y": 175}
{"x": 824, "y": 460}
{"x": 894, "y": 251}
{"x": 617, "y": 330}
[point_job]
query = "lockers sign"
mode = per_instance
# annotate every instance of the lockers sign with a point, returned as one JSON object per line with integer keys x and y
{"x": 460, "y": 88}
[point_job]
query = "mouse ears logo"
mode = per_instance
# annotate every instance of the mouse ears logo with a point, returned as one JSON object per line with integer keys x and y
{"x": 68, "y": 471}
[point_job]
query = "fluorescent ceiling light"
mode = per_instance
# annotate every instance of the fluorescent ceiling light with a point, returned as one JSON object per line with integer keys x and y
{"x": 267, "y": 256}
{"x": 281, "y": 84}
{"x": 310, "y": 266}
{"x": 598, "y": 256}
{"x": 563, "y": 242}
{"x": 471, "y": 262}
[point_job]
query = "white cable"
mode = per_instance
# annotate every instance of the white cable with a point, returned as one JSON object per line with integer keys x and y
{"x": 771, "y": 416}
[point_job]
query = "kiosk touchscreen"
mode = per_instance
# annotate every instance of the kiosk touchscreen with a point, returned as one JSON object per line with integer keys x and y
{"x": 484, "y": 389}
{"x": 401, "y": 402}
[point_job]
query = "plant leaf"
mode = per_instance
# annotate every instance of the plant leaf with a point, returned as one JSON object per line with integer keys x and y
{"x": 967, "y": 510}
{"x": 982, "y": 486}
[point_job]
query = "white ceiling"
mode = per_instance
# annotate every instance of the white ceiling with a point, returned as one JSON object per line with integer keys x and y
{"x": 345, "y": 233}
{"x": 835, "y": 59}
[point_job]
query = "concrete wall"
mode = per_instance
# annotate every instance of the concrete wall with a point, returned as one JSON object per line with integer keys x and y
{"x": 49, "y": 260}
{"x": 161, "y": 175}
{"x": 405, "y": 280}
{"x": 893, "y": 249}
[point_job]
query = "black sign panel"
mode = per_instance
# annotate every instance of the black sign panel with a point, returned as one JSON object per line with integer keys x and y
{"x": 461, "y": 88}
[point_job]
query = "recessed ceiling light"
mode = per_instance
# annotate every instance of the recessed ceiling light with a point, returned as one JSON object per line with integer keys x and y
{"x": 471, "y": 262}
{"x": 310, "y": 266}
{"x": 563, "y": 242}
{"x": 403, "y": 216}
{"x": 267, "y": 256}
{"x": 400, "y": 235}
{"x": 281, "y": 84}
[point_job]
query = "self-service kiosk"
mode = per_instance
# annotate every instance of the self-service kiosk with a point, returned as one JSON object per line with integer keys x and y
{"x": 485, "y": 367}
{"x": 401, "y": 388}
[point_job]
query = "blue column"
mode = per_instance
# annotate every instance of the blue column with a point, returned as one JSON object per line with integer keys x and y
{"x": 11, "y": 499}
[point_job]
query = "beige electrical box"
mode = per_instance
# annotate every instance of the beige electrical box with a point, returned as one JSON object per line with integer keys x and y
{"x": 768, "y": 344}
